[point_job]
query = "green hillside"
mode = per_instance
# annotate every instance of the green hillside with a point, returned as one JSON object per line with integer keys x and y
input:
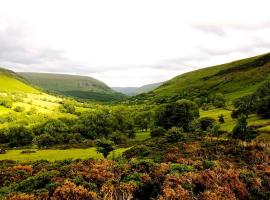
{"x": 73, "y": 85}
{"x": 131, "y": 91}
{"x": 233, "y": 79}
{"x": 10, "y": 82}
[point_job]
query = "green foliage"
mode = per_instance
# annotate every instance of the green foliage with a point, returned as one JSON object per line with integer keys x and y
{"x": 137, "y": 151}
{"x": 119, "y": 137}
{"x": 180, "y": 168}
{"x": 174, "y": 134}
{"x": 263, "y": 107}
{"x": 180, "y": 114}
{"x": 104, "y": 146}
{"x": 157, "y": 132}
{"x": 36, "y": 182}
{"x": 18, "y": 109}
{"x": 221, "y": 119}
{"x": 19, "y": 136}
{"x": 240, "y": 129}
{"x": 206, "y": 123}
{"x": 143, "y": 119}
{"x": 67, "y": 107}
{"x": 208, "y": 164}
{"x": 44, "y": 140}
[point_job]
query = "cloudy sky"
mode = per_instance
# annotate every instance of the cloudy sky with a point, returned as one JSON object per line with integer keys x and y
{"x": 130, "y": 42}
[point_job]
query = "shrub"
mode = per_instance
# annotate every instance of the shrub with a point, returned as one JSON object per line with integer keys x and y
{"x": 240, "y": 129}
{"x": 119, "y": 138}
{"x": 206, "y": 122}
{"x": 207, "y": 164}
{"x": 44, "y": 140}
{"x": 263, "y": 107}
{"x": 18, "y": 109}
{"x": 137, "y": 151}
{"x": 180, "y": 168}
{"x": 221, "y": 119}
{"x": 174, "y": 135}
{"x": 19, "y": 136}
{"x": 157, "y": 132}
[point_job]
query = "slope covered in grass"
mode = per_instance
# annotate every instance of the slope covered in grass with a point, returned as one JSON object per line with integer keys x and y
{"x": 233, "y": 79}
{"x": 10, "y": 82}
{"x": 73, "y": 85}
{"x": 131, "y": 91}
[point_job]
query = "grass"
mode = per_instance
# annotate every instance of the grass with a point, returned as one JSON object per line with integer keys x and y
{"x": 141, "y": 136}
{"x": 9, "y": 83}
{"x": 233, "y": 79}
{"x": 55, "y": 154}
{"x": 214, "y": 113}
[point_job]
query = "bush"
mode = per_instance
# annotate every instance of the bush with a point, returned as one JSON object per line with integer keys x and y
{"x": 221, "y": 119}
{"x": 180, "y": 168}
{"x": 174, "y": 135}
{"x": 44, "y": 140}
{"x": 119, "y": 138}
{"x": 137, "y": 151}
{"x": 19, "y": 136}
{"x": 263, "y": 107}
{"x": 157, "y": 132}
{"x": 240, "y": 129}
{"x": 207, "y": 164}
{"x": 206, "y": 122}
{"x": 18, "y": 109}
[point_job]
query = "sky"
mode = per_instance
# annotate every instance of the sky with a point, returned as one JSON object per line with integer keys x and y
{"x": 130, "y": 42}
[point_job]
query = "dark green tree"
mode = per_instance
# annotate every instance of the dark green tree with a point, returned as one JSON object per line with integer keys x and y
{"x": 179, "y": 114}
{"x": 240, "y": 129}
{"x": 104, "y": 146}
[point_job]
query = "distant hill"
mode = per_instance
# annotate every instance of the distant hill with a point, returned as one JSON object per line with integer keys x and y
{"x": 233, "y": 79}
{"x": 11, "y": 82}
{"x": 73, "y": 85}
{"x": 132, "y": 91}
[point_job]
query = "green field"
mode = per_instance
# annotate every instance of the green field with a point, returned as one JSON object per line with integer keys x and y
{"x": 56, "y": 154}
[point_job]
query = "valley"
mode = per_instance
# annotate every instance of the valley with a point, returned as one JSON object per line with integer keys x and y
{"x": 201, "y": 135}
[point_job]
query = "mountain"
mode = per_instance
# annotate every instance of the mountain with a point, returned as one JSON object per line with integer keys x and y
{"x": 73, "y": 85}
{"x": 132, "y": 91}
{"x": 11, "y": 82}
{"x": 233, "y": 79}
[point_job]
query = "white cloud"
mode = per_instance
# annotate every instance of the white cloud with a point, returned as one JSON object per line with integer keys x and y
{"x": 130, "y": 43}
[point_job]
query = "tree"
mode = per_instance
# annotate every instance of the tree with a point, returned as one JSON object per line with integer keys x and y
{"x": 96, "y": 124}
{"x": 19, "y": 136}
{"x": 179, "y": 114}
{"x": 240, "y": 129}
{"x": 263, "y": 107}
{"x": 143, "y": 119}
{"x": 219, "y": 100}
{"x": 221, "y": 119}
{"x": 44, "y": 140}
{"x": 206, "y": 122}
{"x": 104, "y": 146}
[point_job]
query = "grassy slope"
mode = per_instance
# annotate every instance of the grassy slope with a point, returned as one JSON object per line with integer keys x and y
{"x": 131, "y": 91}
{"x": 233, "y": 79}
{"x": 73, "y": 85}
{"x": 10, "y": 82}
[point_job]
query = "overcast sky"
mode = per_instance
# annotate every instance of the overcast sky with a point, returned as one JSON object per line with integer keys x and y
{"x": 130, "y": 42}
